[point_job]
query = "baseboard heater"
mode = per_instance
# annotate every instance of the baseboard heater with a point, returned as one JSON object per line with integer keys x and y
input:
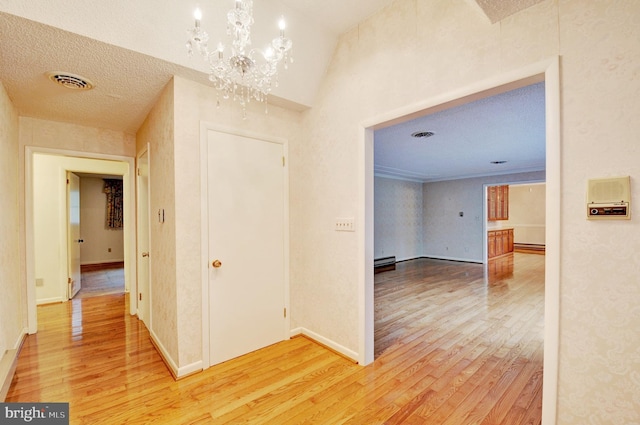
{"x": 529, "y": 248}
{"x": 384, "y": 264}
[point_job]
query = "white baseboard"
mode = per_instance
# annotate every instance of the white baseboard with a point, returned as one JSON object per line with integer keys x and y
{"x": 177, "y": 372}
{"x": 90, "y": 263}
{"x": 464, "y": 260}
{"x": 407, "y": 258}
{"x": 51, "y": 300}
{"x": 326, "y": 342}
{"x": 8, "y": 364}
{"x": 189, "y": 369}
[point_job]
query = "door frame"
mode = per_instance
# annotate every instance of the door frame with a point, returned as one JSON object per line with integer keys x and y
{"x": 128, "y": 227}
{"x": 70, "y": 241}
{"x": 145, "y": 313}
{"x": 485, "y": 213}
{"x": 205, "y": 127}
{"x": 548, "y": 71}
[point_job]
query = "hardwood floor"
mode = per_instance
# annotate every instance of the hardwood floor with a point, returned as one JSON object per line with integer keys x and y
{"x": 101, "y": 279}
{"x": 454, "y": 345}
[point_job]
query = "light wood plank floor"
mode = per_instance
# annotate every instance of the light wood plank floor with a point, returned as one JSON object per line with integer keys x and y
{"x": 455, "y": 345}
{"x": 101, "y": 279}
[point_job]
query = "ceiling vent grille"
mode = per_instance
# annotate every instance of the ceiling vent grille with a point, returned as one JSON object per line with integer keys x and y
{"x": 422, "y": 134}
{"x": 70, "y": 81}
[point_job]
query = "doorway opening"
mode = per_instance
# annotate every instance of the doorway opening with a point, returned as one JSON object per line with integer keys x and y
{"x": 102, "y": 240}
{"x": 46, "y": 224}
{"x": 548, "y": 72}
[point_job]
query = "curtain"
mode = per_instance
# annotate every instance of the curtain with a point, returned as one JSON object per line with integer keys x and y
{"x": 113, "y": 189}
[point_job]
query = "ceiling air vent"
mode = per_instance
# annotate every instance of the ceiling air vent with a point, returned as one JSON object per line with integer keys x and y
{"x": 422, "y": 134}
{"x": 70, "y": 81}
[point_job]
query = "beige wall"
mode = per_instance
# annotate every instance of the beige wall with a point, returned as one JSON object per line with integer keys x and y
{"x": 449, "y": 236}
{"x": 398, "y": 217}
{"x": 73, "y": 137}
{"x": 50, "y": 218}
{"x": 13, "y": 299}
{"x": 157, "y": 131}
{"x": 101, "y": 244}
{"x": 419, "y": 49}
{"x": 527, "y": 213}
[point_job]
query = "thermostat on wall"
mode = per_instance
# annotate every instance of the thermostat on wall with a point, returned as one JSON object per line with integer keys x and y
{"x": 609, "y": 199}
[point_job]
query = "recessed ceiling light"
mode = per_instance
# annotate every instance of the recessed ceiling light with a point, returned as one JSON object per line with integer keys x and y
{"x": 422, "y": 134}
{"x": 498, "y": 162}
{"x": 70, "y": 81}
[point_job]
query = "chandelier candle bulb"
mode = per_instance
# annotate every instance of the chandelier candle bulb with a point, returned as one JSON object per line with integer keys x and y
{"x": 282, "y": 25}
{"x": 197, "y": 14}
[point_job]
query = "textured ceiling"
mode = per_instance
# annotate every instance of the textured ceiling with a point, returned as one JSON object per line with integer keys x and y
{"x": 126, "y": 82}
{"x": 497, "y": 10}
{"x": 130, "y": 50}
{"x": 130, "y": 53}
{"x": 506, "y": 127}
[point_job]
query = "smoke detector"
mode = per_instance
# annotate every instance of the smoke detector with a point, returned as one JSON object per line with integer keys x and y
{"x": 70, "y": 81}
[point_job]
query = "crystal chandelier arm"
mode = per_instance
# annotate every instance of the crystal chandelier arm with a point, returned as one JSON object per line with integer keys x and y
{"x": 197, "y": 37}
{"x": 237, "y": 74}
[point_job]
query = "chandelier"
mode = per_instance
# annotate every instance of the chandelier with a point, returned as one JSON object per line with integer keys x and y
{"x": 243, "y": 73}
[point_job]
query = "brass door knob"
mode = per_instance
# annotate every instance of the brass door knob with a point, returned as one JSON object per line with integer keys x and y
{"x": 145, "y": 254}
{"x": 216, "y": 263}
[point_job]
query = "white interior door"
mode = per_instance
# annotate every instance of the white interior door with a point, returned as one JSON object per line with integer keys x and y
{"x": 246, "y": 236}
{"x": 73, "y": 230}
{"x": 144, "y": 295}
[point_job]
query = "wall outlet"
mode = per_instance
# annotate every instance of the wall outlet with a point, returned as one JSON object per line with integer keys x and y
{"x": 39, "y": 282}
{"x": 345, "y": 225}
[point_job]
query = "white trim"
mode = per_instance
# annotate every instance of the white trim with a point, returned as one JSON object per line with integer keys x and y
{"x": 8, "y": 364}
{"x": 326, "y": 342}
{"x": 547, "y": 71}
{"x": 51, "y": 300}
{"x": 32, "y": 313}
{"x": 204, "y": 241}
{"x": 552, "y": 244}
{"x": 365, "y": 241}
{"x": 168, "y": 360}
{"x": 145, "y": 150}
{"x": 205, "y": 127}
{"x": 189, "y": 369}
{"x": 129, "y": 223}
{"x": 442, "y": 257}
{"x": 109, "y": 261}
{"x": 178, "y": 372}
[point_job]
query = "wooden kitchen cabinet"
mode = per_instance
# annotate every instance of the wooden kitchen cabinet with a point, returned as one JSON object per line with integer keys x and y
{"x": 498, "y": 202}
{"x": 500, "y": 242}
